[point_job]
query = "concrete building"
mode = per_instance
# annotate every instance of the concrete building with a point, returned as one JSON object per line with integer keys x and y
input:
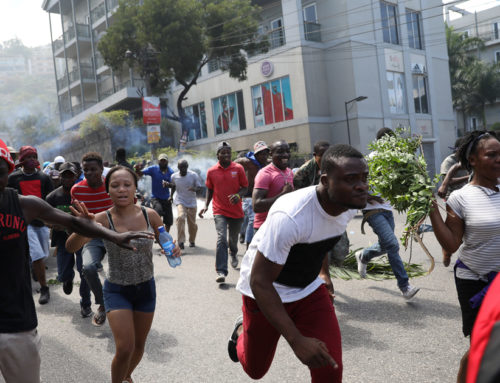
{"x": 485, "y": 25}
{"x": 84, "y": 84}
{"x": 381, "y": 63}
{"x": 324, "y": 59}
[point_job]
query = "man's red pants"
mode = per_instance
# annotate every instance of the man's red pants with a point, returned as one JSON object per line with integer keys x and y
{"x": 313, "y": 315}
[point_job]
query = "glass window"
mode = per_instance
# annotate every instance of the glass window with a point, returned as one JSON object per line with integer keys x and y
{"x": 497, "y": 56}
{"x": 310, "y": 13}
{"x": 277, "y": 34}
{"x": 414, "y": 33}
{"x": 389, "y": 23}
{"x": 272, "y": 102}
{"x": 197, "y": 121}
{"x": 420, "y": 94}
{"x": 496, "y": 34}
{"x": 396, "y": 89}
{"x": 229, "y": 114}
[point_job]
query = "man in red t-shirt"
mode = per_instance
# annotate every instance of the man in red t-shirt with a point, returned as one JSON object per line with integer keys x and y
{"x": 92, "y": 192}
{"x": 226, "y": 185}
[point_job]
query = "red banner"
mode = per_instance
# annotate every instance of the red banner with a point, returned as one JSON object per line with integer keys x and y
{"x": 151, "y": 112}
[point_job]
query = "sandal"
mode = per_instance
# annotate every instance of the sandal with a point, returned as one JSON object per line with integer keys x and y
{"x": 99, "y": 318}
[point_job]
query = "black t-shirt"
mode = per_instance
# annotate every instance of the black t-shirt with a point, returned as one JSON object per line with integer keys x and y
{"x": 37, "y": 184}
{"x": 17, "y": 309}
{"x": 62, "y": 201}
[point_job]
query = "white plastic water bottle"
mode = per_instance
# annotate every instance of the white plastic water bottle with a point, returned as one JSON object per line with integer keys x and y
{"x": 166, "y": 242}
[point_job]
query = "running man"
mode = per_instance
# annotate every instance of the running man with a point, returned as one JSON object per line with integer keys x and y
{"x": 284, "y": 271}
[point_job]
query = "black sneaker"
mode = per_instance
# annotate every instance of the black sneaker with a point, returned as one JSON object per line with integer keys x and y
{"x": 191, "y": 244}
{"x": 86, "y": 312}
{"x": 233, "y": 339}
{"x": 44, "y": 295}
{"x": 242, "y": 238}
{"x": 181, "y": 245}
{"x": 68, "y": 287}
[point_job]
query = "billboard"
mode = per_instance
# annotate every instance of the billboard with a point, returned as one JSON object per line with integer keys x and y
{"x": 151, "y": 111}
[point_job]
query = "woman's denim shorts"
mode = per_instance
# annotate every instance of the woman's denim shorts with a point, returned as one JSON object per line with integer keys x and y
{"x": 140, "y": 297}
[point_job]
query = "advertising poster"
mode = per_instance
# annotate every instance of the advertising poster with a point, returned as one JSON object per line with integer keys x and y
{"x": 154, "y": 134}
{"x": 151, "y": 111}
{"x": 258, "y": 108}
{"x": 277, "y": 101}
{"x": 287, "y": 98}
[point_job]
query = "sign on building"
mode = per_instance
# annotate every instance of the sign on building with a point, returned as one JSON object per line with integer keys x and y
{"x": 151, "y": 111}
{"x": 154, "y": 134}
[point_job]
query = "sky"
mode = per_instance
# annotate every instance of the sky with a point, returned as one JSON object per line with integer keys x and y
{"x": 26, "y": 20}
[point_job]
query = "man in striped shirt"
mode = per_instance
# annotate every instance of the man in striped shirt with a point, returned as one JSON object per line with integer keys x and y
{"x": 92, "y": 192}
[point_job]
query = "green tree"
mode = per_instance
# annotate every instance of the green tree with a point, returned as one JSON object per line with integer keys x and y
{"x": 483, "y": 88}
{"x": 173, "y": 39}
{"x": 34, "y": 129}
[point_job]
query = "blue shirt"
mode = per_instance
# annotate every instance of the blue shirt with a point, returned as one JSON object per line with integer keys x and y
{"x": 157, "y": 178}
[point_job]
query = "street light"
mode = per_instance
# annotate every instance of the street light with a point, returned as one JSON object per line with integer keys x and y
{"x": 357, "y": 99}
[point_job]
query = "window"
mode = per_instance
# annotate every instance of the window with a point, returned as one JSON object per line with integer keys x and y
{"x": 312, "y": 29}
{"x": 497, "y": 56}
{"x": 396, "y": 89}
{"x": 229, "y": 114}
{"x": 272, "y": 102}
{"x": 414, "y": 29}
{"x": 197, "y": 121}
{"x": 310, "y": 13}
{"x": 473, "y": 123}
{"x": 389, "y": 23}
{"x": 420, "y": 97}
{"x": 496, "y": 34}
{"x": 277, "y": 34}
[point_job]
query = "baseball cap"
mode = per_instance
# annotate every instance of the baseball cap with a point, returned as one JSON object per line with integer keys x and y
{"x": 162, "y": 156}
{"x": 259, "y": 146}
{"x": 59, "y": 159}
{"x": 222, "y": 145}
{"x": 69, "y": 167}
{"x": 12, "y": 150}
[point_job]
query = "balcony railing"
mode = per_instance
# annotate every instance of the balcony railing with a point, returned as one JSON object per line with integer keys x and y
{"x": 112, "y": 4}
{"x": 276, "y": 38}
{"x": 312, "y": 31}
{"x": 62, "y": 82}
{"x": 98, "y": 12}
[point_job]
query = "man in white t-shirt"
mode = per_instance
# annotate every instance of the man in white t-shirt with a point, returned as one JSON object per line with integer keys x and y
{"x": 378, "y": 214}
{"x": 284, "y": 275}
{"x": 185, "y": 185}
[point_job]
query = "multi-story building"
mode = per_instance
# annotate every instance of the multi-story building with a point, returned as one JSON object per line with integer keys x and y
{"x": 84, "y": 84}
{"x": 485, "y": 25}
{"x": 336, "y": 71}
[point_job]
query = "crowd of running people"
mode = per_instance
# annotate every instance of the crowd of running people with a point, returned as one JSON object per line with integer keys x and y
{"x": 290, "y": 220}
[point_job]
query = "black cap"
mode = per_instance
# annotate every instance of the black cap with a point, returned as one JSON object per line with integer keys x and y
{"x": 68, "y": 166}
{"x": 222, "y": 145}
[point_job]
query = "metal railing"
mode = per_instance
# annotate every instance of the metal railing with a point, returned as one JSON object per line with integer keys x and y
{"x": 277, "y": 38}
{"x": 98, "y": 12}
{"x": 312, "y": 31}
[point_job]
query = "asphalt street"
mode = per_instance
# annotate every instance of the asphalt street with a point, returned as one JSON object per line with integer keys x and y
{"x": 384, "y": 337}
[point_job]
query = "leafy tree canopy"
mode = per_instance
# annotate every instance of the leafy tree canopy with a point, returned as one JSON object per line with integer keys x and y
{"x": 174, "y": 39}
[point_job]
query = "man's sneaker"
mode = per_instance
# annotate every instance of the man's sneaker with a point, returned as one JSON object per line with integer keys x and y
{"x": 242, "y": 238}
{"x": 234, "y": 261}
{"x": 44, "y": 295}
{"x": 181, "y": 245}
{"x": 410, "y": 292}
{"x": 361, "y": 265}
{"x": 233, "y": 339}
{"x": 191, "y": 244}
{"x": 86, "y": 312}
{"x": 221, "y": 278}
{"x": 68, "y": 287}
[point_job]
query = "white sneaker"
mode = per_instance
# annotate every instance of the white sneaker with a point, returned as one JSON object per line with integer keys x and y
{"x": 221, "y": 278}
{"x": 410, "y": 292}
{"x": 361, "y": 265}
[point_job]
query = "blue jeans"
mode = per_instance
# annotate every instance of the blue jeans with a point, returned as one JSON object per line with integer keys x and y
{"x": 92, "y": 255}
{"x": 383, "y": 225}
{"x": 65, "y": 272}
{"x": 222, "y": 226}
{"x": 247, "y": 226}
